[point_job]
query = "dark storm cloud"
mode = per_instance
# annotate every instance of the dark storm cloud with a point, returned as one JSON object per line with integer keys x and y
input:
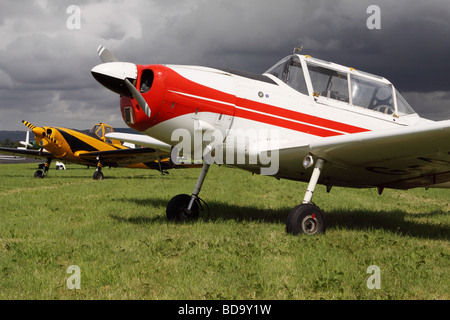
{"x": 45, "y": 67}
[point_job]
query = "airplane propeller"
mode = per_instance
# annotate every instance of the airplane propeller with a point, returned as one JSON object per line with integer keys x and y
{"x": 29, "y": 125}
{"x": 112, "y": 70}
{"x": 106, "y": 55}
{"x": 139, "y": 98}
{"x": 41, "y": 133}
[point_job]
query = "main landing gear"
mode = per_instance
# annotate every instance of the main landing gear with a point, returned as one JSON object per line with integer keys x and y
{"x": 307, "y": 218}
{"x": 98, "y": 175}
{"x": 42, "y": 173}
{"x": 185, "y": 207}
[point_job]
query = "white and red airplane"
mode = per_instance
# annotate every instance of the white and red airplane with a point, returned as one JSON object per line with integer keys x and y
{"x": 356, "y": 127}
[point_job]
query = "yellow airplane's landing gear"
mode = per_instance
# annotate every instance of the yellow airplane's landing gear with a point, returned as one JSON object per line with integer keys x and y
{"x": 183, "y": 207}
{"x": 98, "y": 175}
{"x": 307, "y": 218}
{"x": 42, "y": 173}
{"x": 39, "y": 174}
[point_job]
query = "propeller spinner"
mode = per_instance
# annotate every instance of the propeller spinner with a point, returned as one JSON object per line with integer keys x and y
{"x": 116, "y": 76}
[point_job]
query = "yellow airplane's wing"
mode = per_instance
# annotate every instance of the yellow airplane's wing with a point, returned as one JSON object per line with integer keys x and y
{"x": 164, "y": 150}
{"x": 27, "y": 153}
{"x": 125, "y": 157}
{"x": 137, "y": 158}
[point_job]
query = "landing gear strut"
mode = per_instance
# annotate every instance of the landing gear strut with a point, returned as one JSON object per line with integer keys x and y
{"x": 184, "y": 207}
{"x": 307, "y": 218}
{"x": 98, "y": 175}
{"x": 42, "y": 173}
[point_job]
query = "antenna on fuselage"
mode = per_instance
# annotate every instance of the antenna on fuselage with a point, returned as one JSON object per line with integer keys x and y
{"x": 298, "y": 49}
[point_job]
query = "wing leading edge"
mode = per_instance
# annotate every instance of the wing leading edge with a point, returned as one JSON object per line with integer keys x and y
{"x": 406, "y": 157}
{"x": 140, "y": 139}
{"x": 27, "y": 153}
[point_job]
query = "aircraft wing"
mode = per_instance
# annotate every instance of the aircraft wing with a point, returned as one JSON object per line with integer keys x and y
{"x": 140, "y": 139}
{"x": 123, "y": 157}
{"x": 404, "y": 157}
{"x": 164, "y": 150}
{"x": 27, "y": 153}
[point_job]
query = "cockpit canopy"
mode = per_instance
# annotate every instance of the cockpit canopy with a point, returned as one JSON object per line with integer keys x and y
{"x": 99, "y": 131}
{"x": 322, "y": 79}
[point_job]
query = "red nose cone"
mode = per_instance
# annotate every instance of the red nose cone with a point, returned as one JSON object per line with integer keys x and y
{"x": 151, "y": 84}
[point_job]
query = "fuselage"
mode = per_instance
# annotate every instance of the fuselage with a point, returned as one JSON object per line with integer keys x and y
{"x": 299, "y": 100}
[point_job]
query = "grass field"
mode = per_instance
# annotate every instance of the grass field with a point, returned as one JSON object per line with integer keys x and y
{"x": 116, "y": 232}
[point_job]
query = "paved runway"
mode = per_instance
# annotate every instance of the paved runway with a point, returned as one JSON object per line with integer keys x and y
{"x": 9, "y": 159}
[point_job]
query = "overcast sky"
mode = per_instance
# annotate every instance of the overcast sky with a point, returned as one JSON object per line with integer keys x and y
{"x": 45, "y": 65}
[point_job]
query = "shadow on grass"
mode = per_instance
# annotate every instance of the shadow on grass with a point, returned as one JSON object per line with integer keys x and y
{"x": 393, "y": 221}
{"x": 142, "y": 177}
{"x": 152, "y": 175}
{"x": 362, "y": 220}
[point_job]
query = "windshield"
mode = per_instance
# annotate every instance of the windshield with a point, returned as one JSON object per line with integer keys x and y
{"x": 372, "y": 95}
{"x": 403, "y": 107}
{"x": 290, "y": 71}
{"x": 278, "y": 70}
{"x": 97, "y": 130}
{"x": 328, "y": 83}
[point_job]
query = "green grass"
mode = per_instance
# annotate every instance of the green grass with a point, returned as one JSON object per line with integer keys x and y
{"x": 115, "y": 230}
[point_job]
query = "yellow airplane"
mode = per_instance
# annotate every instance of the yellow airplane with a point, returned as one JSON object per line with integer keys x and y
{"x": 93, "y": 149}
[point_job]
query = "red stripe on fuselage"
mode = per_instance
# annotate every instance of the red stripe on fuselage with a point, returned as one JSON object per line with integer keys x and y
{"x": 285, "y": 123}
{"x": 298, "y": 116}
{"x": 191, "y": 96}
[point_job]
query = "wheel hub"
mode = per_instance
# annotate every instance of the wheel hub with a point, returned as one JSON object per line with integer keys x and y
{"x": 310, "y": 224}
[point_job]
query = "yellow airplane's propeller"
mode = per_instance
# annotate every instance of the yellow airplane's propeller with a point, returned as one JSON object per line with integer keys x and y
{"x": 41, "y": 133}
{"x": 29, "y": 125}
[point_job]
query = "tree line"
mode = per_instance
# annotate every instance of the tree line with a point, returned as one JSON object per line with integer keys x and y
{"x": 8, "y": 143}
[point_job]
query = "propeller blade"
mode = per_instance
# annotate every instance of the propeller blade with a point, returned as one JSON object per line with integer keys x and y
{"x": 29, "y": 125}
{"x": 41, "y": 134}
{"x": 105, "y": 55}
{"x": 37, "y": 131}
{"x": 139, "y": 98}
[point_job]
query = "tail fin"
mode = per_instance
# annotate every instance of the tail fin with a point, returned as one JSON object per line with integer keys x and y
{"x": 27, "y": 139}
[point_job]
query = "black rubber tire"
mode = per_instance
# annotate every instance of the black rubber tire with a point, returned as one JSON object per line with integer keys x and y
{"x": 306, "y": 219}
{"x": 39, "y": 174}
{"x": 176, "y": 209}
{"x": 98, "y": 175}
